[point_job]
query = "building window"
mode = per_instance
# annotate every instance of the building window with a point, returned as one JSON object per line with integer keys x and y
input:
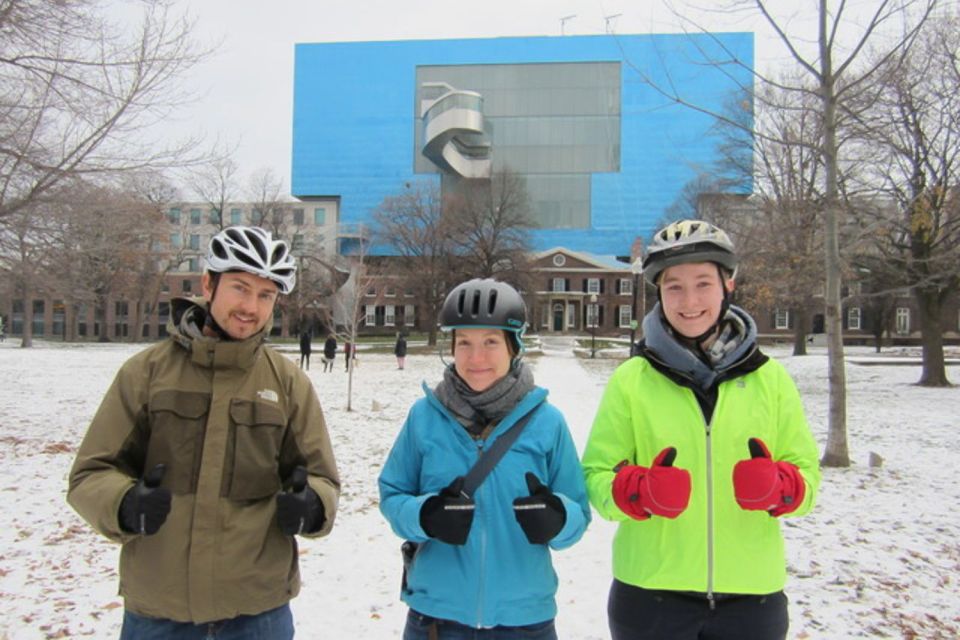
{"x": 593, "y": 316}
{"x": 390, "y": 292}
{"x": 193, "y": 265}
{"x": 277, "y": 217}
{"x": 853, "y": 318}
{"x": 593, "y": 285}
{"x": 409, "y": 315}
{"x": 559, "y": 285}
{"x": 195, "y": 241}
{"x": 176, "y": 241}
{"x": 298, "y": 216}
{"x": 571, "y": 316}
{"x": 389, "y": 315}
{"x": 559, "y": 260}
{"x": 371, "y": 292}
{"x": 298, "y": 242}
{"x": 626, "y": 315}
{"x": 214, "y": 219}
{"x": 320, "y": 216}
{"x": 186, "y": 285}
{"x": 195, "y": 216}
{"x": 408, "y": 293}
{"x": 173, "y": 215}
{"x": 781, "y": 319}
{"x": 236, "y": 216}
{"x": 38, "y": 323}
{"x": 369, "y": 315}
{"x": 626, "y": 286}
{"x": 903, "y": 320}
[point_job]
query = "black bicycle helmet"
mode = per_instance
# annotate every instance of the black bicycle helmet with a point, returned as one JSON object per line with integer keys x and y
{"x": 485, "y": 303}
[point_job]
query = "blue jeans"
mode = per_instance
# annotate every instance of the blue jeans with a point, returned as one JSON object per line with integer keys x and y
{"x": 276, "y": 624}
{"x": 418, "y": 628}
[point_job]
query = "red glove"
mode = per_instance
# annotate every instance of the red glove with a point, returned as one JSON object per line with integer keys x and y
{"x": 661, "y": 490}
{"x": 760, "y": 484}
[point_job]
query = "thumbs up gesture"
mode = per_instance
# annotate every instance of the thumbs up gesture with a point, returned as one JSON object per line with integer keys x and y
{"x": 299, "y": 509}
{"x": 661, "y": 490}
{"x": 761, "y": 484}
{"x": 541, "y": 515}
{"x": 145, "y": 506}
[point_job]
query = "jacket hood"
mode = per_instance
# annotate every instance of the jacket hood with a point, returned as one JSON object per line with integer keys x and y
{"x": 187, "y": 316}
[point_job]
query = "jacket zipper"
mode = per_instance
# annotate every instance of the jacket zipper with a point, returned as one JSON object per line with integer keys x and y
{"x": 483, "y": 553}
{"x": 710, "y": 598}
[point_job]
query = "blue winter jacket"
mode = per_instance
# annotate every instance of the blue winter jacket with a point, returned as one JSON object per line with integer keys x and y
{"x": 497, "y": 577}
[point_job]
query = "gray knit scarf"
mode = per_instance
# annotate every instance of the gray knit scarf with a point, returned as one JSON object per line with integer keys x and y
{"x": 735, "y": 341}
{"x": 476, "y": 410}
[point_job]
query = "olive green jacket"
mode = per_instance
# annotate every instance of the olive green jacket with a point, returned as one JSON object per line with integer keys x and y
{"x": 230, "y": 420}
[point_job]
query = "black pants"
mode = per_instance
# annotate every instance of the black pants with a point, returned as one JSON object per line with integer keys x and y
{"x": 643, "y": 614}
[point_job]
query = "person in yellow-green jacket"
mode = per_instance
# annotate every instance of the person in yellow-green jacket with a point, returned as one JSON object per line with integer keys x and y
{"x": 698, "y": 449}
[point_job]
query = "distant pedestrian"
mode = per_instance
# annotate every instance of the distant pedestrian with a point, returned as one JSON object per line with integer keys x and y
{"x": 400, "y": 350}
{"x": 329, "y": 352}
{"x": 305, "y": 348}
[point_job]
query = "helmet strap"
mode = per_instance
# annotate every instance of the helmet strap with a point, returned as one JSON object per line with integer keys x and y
{"x": 724, "y": 307}
{"x": 209, "y": 322}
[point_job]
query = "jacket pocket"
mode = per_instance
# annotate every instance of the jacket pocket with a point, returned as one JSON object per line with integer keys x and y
{"x": 256, "y": 433}
{"x": 178, "y": 421}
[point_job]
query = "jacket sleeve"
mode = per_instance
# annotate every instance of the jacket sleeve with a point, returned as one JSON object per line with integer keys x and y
{"x": 566, "y": 482}
{"x": 313, "y": 440}
{"x": 795, "y": 442}
{"x": 108, "y": 460}
{"x": 400, "y": 498}
{"x": 610, "y": 442}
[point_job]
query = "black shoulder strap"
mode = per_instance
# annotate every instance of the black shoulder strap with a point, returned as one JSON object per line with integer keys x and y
{"x": 489, "y": 458}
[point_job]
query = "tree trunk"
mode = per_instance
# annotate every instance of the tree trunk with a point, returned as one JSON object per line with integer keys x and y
{"x": 836, "y": 453}
{"x": 800, "y": 331}
{"x": 934, "y": 372}
{"x": 26, "y": 340}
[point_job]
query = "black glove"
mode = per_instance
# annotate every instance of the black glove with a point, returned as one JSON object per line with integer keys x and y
{"x": 541, "y": 515}
{"x": 449, "y": 515}
{"x": 145, "y": 506}
{"x": 300, "y": 509}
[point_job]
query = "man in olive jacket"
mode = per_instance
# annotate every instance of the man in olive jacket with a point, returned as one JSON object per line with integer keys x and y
{"x": 208, "y": 454}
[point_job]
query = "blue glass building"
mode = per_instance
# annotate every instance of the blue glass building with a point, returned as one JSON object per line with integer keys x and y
{"x": 602, "y": 153}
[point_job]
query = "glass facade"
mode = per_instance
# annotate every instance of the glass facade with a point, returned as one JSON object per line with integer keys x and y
{"x": 601, "y": 153}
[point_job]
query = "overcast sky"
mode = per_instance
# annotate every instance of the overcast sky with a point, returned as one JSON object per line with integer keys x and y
{"x": 245, "y": 91}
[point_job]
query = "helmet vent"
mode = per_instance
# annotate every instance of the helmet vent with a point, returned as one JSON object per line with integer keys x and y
{"x": 491, "y": 302}
{"x": 475, "y": 306}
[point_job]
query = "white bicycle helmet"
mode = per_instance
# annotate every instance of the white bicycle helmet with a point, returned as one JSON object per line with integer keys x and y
{"x": 688, "y": 241}
{"x": 253, "y": 250}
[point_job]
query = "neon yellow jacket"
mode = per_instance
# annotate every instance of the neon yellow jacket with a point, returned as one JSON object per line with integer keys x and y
{"x": 714, "y": 546}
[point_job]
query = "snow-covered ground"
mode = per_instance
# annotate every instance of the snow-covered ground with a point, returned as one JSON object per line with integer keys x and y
{"x": 878, "y": 558}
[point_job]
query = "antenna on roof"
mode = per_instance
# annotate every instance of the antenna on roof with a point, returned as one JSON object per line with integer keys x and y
{"x": 563, "y": 21}
{"x": 607, "y": 20}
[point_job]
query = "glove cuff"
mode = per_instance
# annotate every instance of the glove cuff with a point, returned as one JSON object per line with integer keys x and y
{"x": 793, "y": 489}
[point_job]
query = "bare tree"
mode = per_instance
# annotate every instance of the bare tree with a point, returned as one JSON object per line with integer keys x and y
{"x": 413, "y": 225}
{"x": 269, "y": 206}
{"x": 911, "y": 135}
{"x": 837, "y": 73}
{"x": 77, "y": 93}
{"x": 490, "y": 226}
{"x": 216, "y": 184}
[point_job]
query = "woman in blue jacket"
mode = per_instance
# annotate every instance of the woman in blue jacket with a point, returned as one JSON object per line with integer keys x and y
{"x": 482, "y": 568}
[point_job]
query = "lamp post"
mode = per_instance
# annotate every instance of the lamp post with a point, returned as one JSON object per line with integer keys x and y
{"x": 637, "y": 268}
{"x": 592, "y": 321}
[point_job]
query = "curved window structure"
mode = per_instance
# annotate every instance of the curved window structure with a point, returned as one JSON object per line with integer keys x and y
{"x": 454, "y": 138}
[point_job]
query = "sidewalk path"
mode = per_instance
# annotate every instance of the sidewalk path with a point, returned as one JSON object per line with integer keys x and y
{"x": 584, "y": 569}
